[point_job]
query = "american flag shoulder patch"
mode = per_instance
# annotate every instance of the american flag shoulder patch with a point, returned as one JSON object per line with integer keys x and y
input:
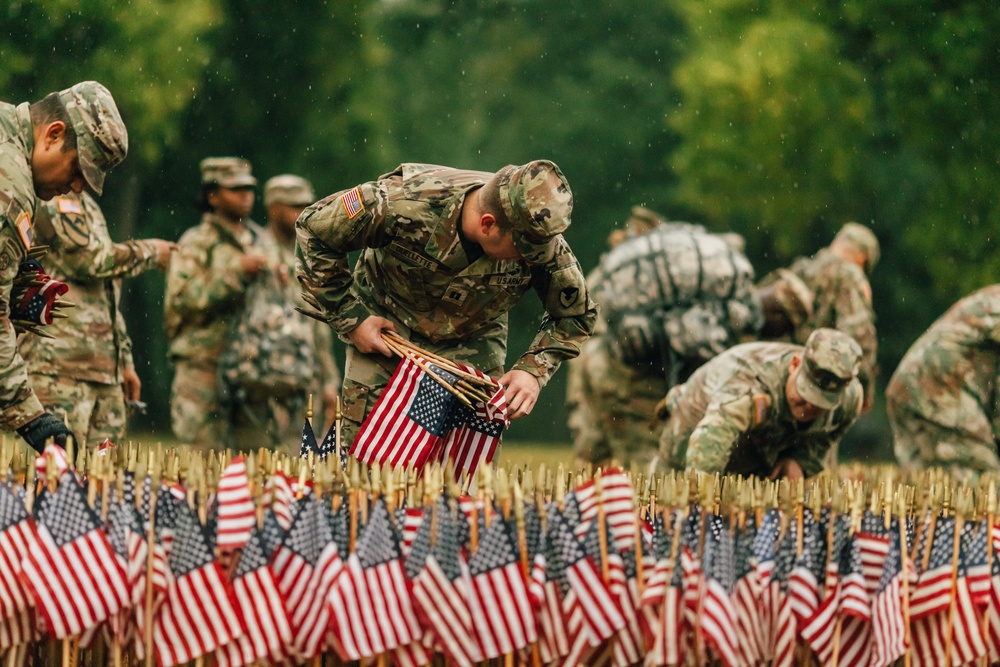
{"x": 761, "y": 403}
{"x": 352, "y": 202}
{"x": 25, "y": 230}
{"x": 67, "y": 205}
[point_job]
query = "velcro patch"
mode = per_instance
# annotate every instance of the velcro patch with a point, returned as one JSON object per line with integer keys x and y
{"x": 352, "y": 202}
{"x": 67, "y": 205}
{"x": 25, "y": 230}
{"x": 761, "y": 404}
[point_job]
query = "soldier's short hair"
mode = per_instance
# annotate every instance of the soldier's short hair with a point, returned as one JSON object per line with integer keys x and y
{"x": 202, "y": 204}
{"x": 489, "y": 197}
{"x": 50, "y": 109}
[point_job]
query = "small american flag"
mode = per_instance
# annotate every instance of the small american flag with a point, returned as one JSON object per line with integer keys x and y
{"x": 306, "y": 566}
{"x": 279, "y": 497}
{"x": 746, "y": 592}
{"x": 501, "y": 611}
{"x": 371, "y": 609}
{"x": 308, "y": 444}
{"x": 259, "y": 604}
{"x": 887, "y": 608}
{"x": 549, "y": 586}
{"x": 807, "y": 571}
{"x": 197, "y": 615}
{"x": 718, "y": 621}
{"x": 16, "y": 535}
{"x": 409, "y": 421}
{"x": 236, "y": 511}
{"x": 618, "y": 500}
{"x": 933, "y": 591}
{"x": 819, "y": 630}
{"x": 475, "y": 432}
{"x": 412, "y": 519}
{"x": 441, "y": 588}
{"x": 601, "y": 612}
{"x": 71, "y": 562}
{"x": 352, "y": 202}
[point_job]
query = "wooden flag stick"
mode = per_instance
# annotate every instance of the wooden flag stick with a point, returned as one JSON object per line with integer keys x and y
{"x": 602, "y": 535}
{"x": 427, "y": 369}
{"x": 150, "y": 560}
{"x": 901, "y": 518}
{"x": 991, "y": 508}
{"x": 959, "y": 522}
{"x": 447, "y": 364}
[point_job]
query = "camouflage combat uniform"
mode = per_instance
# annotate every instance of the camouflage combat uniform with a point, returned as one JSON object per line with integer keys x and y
{"x": 78, "y": 373}
{"x": 205, "y": 294}
{"x": 287, "y": 414}
{"x": 18, "y": 403}
{"x": 414, "y": 271}
{"x": 612, "y": 400}
{"x": 942, "y": 400}
{"x": 733, "y": 415}
{"x": 843, "y": 301}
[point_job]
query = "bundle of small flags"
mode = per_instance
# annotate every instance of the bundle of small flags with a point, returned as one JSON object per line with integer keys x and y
{"x": 176, "y": 556}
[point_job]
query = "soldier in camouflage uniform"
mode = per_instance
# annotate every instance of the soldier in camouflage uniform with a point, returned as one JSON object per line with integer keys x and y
{"x": 766, "y": 409}
{"x": 446, "y": 253}
{"x": 612, "y": 401}
{"x": 86, "y": 372}
{"x": 838, "y": 277}
{"x": 942, "y": 400}
{"x": 285, "y": 197}
{"x": 64, "y": 142}
{"x": 208, "y": 276}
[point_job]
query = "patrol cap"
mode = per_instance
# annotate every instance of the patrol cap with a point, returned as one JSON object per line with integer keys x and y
{"x": 101, "y": 137}
{"x": 538, "y": 202}
{"x": 288, "y": 189}
{"x": 830, "y": 361}
{"x": 793, "y": 296}
{"x": 863, "y": 239}
{"x": 227, "y": 172}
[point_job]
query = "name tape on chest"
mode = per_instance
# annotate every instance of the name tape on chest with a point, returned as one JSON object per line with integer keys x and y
{"x": 412, "y": 256}
{"x": 508, "y": 281}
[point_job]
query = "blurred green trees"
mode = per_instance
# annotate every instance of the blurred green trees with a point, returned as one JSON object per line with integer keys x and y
{"x": 778, "y": 120}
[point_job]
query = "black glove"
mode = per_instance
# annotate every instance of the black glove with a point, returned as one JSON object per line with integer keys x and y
{"x": 43, "y": 427}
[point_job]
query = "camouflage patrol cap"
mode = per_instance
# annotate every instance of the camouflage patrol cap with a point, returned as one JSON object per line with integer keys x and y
{"x": 538, "y": 202}
{"x": 830, "y": 361}
{"x": 794, "y": 297}
{"x": 227, "y": 172}
{"x": 288, "y": 189}
{"x": 863, "y": 239}
{"x": 101, "y": 137}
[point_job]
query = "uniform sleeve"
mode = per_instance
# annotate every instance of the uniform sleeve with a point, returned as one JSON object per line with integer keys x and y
{"x": 83, "y": 256}
{"x": 325, "y": 232}
{"x": 18, "y": 403}
{"x": 570, "y": 315}
{"x": 713, "y": 439}
{"x": 200, "y": 283}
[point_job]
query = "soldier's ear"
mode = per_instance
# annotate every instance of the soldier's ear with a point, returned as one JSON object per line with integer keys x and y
{"x": 487, "y": 223}
{"x": 54, "y": 132}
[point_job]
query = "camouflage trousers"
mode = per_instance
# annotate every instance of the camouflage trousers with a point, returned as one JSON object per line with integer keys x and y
{"x": 365, "y": 377}
{"x": 92, "y": 411}
{"x": 921, "y": 443}
{"x": 611, "y": 407}
{"x": 198, "y": 416}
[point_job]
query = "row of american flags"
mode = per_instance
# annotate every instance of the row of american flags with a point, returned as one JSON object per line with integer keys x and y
{"x": 282, "y": 570}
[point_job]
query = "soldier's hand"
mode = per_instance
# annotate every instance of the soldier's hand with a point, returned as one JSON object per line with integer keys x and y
{"x": 131, "y": 384}
{"x": 43, "y": 427}
{"x": 253, "y": 264}
{"x": 787, "y": 469}
{"x": 368, "y": 336}
{"x": 162, "y": 250}
{"x": 521, "y": 389}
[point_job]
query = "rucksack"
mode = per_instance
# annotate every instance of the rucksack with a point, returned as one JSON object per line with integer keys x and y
{"x": 675, "y": 293}
{"x": 270, "y": 352}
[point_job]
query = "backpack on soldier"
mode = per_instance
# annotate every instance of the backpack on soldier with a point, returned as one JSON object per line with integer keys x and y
{"x": 270, "y": 353}
{"x": 677, "y": 293}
